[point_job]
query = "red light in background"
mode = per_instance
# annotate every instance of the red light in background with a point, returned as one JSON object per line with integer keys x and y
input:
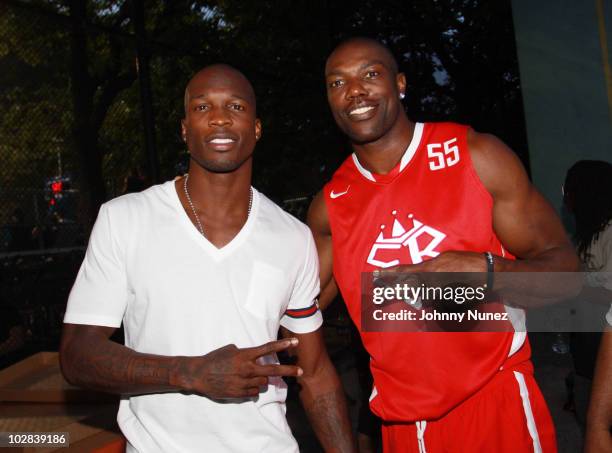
{"x": 56, "y": 187}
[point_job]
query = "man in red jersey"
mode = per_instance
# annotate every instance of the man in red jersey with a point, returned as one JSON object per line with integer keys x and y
{"x": 433, "y": 198}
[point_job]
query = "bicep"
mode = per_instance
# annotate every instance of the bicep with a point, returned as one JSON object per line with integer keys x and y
{"x": 80, "y": 341}
{"x": 318, "y": 222}
{"x": 523, "y": 220}
{"x": 82, "y": 335}
{"x": 528, "y": 225}
{"x": 328, "y": 294}
{"x": 310, "y": 351}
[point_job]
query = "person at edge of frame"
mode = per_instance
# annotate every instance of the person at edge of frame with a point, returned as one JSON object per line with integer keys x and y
{"x": 587, "y": 194}
{"x": 599, "y": 415}
{"x": 203, "y": 271}
{"x": 467, "y": 197}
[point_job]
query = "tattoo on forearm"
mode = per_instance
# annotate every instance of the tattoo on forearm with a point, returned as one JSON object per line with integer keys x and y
{"x": 328, "y": 416}
{"x": 113, "y": 368}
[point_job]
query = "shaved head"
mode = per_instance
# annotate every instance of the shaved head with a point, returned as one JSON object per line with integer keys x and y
{"x": 220, "y": 126}
{"x": 382, "y": 52}
{"x": 220, "y": 74}
{"x": 364, "y": 89}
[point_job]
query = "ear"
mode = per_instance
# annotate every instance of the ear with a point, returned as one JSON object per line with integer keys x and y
{"x": 400, "y": 81}
{"x": 183, "y": 130}
{"x": 257, "y": 129}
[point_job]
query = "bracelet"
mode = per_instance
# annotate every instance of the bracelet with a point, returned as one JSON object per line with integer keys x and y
{"x": 490, "y": 270}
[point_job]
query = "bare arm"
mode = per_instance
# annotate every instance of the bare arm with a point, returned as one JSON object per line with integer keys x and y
{"x": 599, "y": 417}
{"x": 322, "y": 394}
{"x": 526, "y": 225}
{"x": 318, "y": 221}
{"x": 328, "y": 294}
{"x": 523, "y": 220}
{"x": 90, "y": 359}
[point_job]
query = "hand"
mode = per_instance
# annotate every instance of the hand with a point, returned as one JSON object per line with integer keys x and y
{"x": 447, "y": 262}
{"x": 471, "y": 265}
{"x": 230, "y": 372}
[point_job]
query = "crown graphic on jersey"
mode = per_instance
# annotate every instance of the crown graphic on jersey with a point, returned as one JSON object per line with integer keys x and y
{"x": 421, "y": 241}
{"x": 399, "y": 233}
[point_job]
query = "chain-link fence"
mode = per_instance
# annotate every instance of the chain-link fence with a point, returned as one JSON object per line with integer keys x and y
{"x": 34, "y": 131}
{"x": 71, "y": 137}
{"x": 91, "y": 94}
{"x": 53, "y": 133}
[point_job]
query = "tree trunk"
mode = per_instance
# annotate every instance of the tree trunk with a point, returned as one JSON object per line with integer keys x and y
{"x": 85, "y": 138}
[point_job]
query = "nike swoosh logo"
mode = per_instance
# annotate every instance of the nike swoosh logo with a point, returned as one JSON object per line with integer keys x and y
{"x": 333, "y": 195}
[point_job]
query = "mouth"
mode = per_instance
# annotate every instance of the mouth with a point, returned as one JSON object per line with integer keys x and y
{"x": 221, "y": 142}
{"x": 361, "y": 112}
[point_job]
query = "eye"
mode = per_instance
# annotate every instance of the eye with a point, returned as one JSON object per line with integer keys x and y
{"x": 236, "y": 106}
{"x": 201, "y": 107}
{"x": 371, "y": 74}
{"x": 336, "y": 83}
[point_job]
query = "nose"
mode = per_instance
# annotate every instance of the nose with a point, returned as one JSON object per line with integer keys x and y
{"x": 355, "y": 89}
{"x": 219, "y": 117}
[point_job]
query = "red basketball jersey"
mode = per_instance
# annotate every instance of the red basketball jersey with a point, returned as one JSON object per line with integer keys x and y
{"x": 431, "y": 202}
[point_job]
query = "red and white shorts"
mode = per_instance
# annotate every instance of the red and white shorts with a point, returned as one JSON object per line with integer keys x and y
{"x": 508, "y": 415}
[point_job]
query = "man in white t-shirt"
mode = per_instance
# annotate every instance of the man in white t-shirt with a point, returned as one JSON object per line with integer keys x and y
{"x": 203, "y": 271}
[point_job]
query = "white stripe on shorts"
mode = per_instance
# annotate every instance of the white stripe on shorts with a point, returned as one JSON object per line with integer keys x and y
{"x": 531, "y": 425}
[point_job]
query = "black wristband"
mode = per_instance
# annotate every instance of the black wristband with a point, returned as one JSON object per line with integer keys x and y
{"x": 490, "y": 270}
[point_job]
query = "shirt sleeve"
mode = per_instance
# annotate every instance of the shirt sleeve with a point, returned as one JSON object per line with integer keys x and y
{"x": 302, "y": 314}
{"x": 99, "y": 295}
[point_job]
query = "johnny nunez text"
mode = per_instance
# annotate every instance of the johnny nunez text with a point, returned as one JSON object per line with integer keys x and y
{"x": 435, "y": 315}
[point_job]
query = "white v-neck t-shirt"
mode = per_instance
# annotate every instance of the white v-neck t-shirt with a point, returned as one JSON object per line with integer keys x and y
{"x": 177, "y": 294}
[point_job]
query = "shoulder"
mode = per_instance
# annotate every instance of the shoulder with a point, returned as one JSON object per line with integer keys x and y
{"x": 318, "y": 217}
{"x": 138, "y": 201}
{"x": 441, "y": 130}
{"x": 606, "y": 233}
{"x": 444, "y": 126}
{"x": 603, "y": 244}
{"x": 347, "y": 171}
{"x": 497, "y": 166}
{"x": 129, "y": 213}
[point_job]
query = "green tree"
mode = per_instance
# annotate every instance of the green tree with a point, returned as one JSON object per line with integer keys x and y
{"x": 71, "y": 84}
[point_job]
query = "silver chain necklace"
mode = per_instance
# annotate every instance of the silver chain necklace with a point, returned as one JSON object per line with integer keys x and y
{"x": 195, "y": 215}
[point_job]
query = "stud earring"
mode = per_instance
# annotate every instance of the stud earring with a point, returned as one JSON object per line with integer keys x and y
{"x": 402, "y": 96}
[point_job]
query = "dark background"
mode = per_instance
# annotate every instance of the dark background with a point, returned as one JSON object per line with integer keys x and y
{"x": 91, "y": 95}
{"x": 98, "y": 85}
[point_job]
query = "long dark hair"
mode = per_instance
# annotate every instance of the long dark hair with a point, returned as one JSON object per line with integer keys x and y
{"x": 588, "y": 194}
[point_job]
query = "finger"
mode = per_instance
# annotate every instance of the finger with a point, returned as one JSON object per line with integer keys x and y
{"x": 261, "y": 381}
{"x": 394, "y": 270}
{"x": 399, "y": 274}
{"x": 272, "y": 347}
{"x": 252, "y": 391}
{"x": 277, "y": 370}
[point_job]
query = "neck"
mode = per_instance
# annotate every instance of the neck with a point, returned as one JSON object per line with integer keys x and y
{"x": 382, "y": 155}
{"x": 220, "y": 193}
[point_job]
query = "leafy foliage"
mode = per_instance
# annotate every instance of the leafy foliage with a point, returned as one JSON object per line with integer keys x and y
{"x": 84, "y": 105}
